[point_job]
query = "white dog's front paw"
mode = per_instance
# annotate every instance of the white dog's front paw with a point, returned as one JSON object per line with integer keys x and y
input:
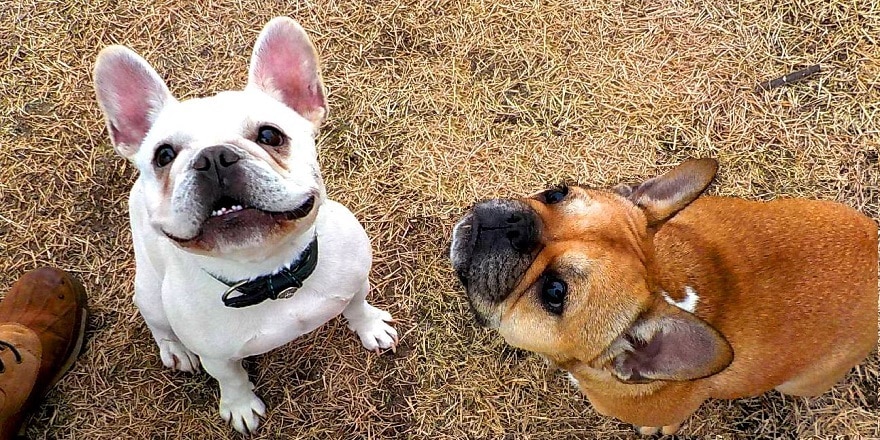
{"x": 177, "y": 357}
{"x": 243, "y": 412}
{"x": 373, "y": 329}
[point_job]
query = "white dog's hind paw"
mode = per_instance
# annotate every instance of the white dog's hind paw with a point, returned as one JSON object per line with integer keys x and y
{"x": 373, "y": 329}
{"x": 243, "y": 413}
{"x": 177, "y": 357}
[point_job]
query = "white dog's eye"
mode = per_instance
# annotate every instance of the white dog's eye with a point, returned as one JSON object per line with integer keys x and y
{"x": 270, "y": 136}
{"x": 164, "y": 155}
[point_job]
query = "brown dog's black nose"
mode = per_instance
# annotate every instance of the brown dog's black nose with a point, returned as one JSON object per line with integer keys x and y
{"x": 493, "y": 246}
{"x": 503, "y": 223}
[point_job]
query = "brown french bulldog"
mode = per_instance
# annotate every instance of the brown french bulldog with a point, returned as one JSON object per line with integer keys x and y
{"x": 655, "y": 299}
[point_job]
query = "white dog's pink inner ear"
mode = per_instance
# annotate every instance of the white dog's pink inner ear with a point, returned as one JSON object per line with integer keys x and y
{"x": 134, "y": 118}
{"x": 285, "y": 66}
{"x": 131, "y": 94}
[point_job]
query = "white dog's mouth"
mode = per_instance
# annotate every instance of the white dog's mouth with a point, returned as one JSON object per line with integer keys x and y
{"x": 227, "y": 207}
{"x": 233, "y": 221}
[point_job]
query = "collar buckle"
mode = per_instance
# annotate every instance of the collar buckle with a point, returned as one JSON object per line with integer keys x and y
{"x": 232, "y": 288}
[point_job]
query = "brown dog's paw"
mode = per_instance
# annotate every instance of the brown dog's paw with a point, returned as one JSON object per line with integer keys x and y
{"x": 665, "y": 430}
{"x": 670, "y": 429}
{"x": 647, "y": 430}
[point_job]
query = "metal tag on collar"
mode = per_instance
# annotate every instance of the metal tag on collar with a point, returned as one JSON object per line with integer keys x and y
{"x": 287, "y": 293}
{"x": 231, "y": 289}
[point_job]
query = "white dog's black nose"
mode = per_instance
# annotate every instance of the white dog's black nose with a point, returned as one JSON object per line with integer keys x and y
{"x": 217, "y": 158}
{"x": 217, "y": 165}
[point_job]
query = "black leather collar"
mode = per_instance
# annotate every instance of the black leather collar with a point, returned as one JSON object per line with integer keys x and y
{"x": 282, "y": 284}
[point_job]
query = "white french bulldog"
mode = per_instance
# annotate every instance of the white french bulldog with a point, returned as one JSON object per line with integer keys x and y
{"x": 238, "y": 250}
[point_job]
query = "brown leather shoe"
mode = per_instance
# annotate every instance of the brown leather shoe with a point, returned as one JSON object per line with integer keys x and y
{"x": 20, "y": 350}
{"x": 51, "y": 304}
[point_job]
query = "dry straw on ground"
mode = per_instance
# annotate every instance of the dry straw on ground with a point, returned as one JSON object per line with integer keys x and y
{"x": 434, "y": 104}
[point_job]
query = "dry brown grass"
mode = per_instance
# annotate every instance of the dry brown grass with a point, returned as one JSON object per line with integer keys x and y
{"x": 434, "y": 104}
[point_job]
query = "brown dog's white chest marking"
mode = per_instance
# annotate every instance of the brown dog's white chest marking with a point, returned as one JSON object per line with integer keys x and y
{"x": 688, "y": 303}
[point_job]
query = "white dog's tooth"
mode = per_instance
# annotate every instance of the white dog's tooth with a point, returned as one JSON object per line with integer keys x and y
{"x": 226, "y": 210}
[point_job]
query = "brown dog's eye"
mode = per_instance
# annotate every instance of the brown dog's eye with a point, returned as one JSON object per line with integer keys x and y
{"x": 164, "y": 155}
{"x": 553, "y": 291}
{"x": 270, "y": 136}
{"x": 555, "y": 195}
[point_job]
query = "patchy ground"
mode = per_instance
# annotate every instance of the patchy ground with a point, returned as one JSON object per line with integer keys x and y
{"x": 434, "y": 104}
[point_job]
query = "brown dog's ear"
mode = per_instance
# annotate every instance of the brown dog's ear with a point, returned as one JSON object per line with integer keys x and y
{"x": 673, "y": 345}
{"x": 663, "y": 196}
{"x": 623, "y": 189}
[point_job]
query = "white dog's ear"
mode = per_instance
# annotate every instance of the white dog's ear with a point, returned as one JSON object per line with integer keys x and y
{"x": 284, "y": 65}
{"x": 131, "y": 94}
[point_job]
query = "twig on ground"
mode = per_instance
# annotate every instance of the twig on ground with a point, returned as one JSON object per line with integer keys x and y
{"x": 787, "y": 79}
